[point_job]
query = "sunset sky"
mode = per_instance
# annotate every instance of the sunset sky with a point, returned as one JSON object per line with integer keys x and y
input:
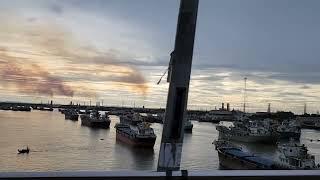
{"x": 116, "y": 51}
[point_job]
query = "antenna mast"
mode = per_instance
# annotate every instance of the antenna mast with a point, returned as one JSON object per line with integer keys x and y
{"x": 245, "y": 94}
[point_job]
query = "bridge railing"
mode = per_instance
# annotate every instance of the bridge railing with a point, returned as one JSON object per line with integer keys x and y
{"x": 214, "y": 174}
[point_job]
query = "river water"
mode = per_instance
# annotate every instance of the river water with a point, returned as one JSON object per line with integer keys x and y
{"x": 63, "y": 145}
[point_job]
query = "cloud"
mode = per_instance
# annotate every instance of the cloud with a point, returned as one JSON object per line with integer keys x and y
{"x": 305, "y": 87}
{"x": 56, "y": 8}
{"x": 30, "y": 78}
{"x": 51, "y": 41}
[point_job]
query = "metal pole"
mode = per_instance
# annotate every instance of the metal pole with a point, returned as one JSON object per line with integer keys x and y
{"x": 179, "y": 78}
{"x": 245, "y": 95}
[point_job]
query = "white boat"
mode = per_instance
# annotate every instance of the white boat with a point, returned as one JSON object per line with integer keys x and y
{"x": 295, "y": 156}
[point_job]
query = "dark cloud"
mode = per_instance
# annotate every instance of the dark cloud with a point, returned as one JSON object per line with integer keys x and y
{"x": 58, "y": 9}
{"x": 305, "y": 87}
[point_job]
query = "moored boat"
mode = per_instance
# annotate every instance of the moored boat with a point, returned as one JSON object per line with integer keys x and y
{"x": 233, "y": 157}
{"x": 247, "y": 130}
{"x": 133, "y": 131}
{"x": 289, "y": 129}
{"x": 21, "y": 108}
{"x": 71, "y": 115}
{"x": 95, "y": 119}
{"x": 188, "y": 126}
{"x": 295, "y": 156}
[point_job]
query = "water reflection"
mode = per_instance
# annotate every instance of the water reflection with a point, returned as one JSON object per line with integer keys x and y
{"x": 140, "y": 158}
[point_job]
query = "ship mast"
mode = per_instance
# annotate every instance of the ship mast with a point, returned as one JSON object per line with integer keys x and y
{"x": 245, "y": 94}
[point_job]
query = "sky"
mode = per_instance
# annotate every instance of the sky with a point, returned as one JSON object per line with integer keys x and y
{"x": 116, "y": 50}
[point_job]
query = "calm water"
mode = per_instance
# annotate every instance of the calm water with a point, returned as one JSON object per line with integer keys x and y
{"x": 57, "y": 144}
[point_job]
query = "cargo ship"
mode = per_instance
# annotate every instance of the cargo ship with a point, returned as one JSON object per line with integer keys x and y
{"x": 71, "y": 115}
{"x": 133, "y": 131}
{"x": 95, "y": 120}
{"x": 233, "y": 157}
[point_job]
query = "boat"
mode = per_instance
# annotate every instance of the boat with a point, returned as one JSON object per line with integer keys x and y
{"x": 289, "y": 129}
{"x": 96, "y": 120}
{"x": 310, "y": 125}
{"x": 71, "y": 115}
{"x": 152, "y": 118}
{"x": 309, "y": 121}
{"x": 21, "y": 108}
{"x": 7, "y": 108}
{"x": 45, "y": 108}
{"x": 188, "y": 126}
{"x": 233, "y": 157}
{"x": 63, "y": 111}
{"x": 133, "y": 131}
{"x": 82, "y": 111}
{"x": 295, "y": 156}
{"x": 248, "y": 130}
{"x": 22, "y": 151}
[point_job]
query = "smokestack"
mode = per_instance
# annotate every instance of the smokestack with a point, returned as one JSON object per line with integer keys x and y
{"x": 228, "y": 107}
{"x": 269, "y": 108}
{"x": 222, "y": 106}
{"x": 51, "y": 103}
{"x": 305, "y": 109}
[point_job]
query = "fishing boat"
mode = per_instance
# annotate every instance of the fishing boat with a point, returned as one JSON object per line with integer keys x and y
{"x": 295, "y": 156}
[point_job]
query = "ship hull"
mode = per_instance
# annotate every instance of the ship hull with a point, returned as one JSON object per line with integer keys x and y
{"x": 72, "y": 117}
{"x": 250, "y": 139}
{"x": 229, "y": 162}
{"x": 135, "y": 141}
{"x": 85, "y": 121}
{"x": 233, "y": 162}
{"x": 288, "y": 135}
{"x": 188, "y": 129}
{"x": 103, "y": 124}
{"x": 306, "y": 126}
